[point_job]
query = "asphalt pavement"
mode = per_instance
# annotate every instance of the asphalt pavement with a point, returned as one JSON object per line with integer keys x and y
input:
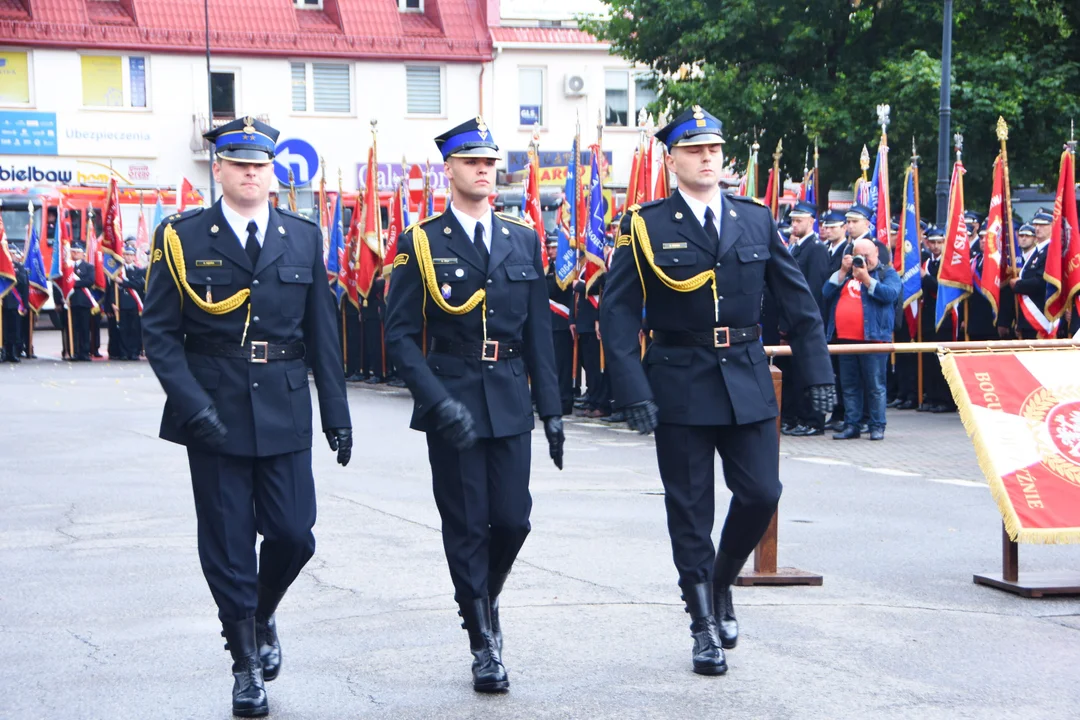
{"x": 104, "y": 613}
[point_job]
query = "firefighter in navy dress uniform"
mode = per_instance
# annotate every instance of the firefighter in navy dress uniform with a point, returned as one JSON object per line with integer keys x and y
{"x": 236, "y": 298}
{"x": 699, "y": 263}
{"x": 473, "y": 282}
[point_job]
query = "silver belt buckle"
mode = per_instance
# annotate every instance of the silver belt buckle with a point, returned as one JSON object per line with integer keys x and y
{"x": 716, "y": 337}
{"x": 490, "y": 351}
{"x": 260, "y": 352}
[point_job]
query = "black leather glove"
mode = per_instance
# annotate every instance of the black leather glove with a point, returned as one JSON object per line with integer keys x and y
{"x": 554, "y": 432}
{"x": 340, "y": 440}
{"x": 455, "y": 423}
{"x": 206, "y": 428}
{"x": 642, "y": 416}
{"x": 822, "y": 398}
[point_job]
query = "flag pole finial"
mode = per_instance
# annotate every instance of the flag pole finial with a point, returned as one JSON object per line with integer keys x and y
{"x": 779, "y": 150}
{"x": 1002, "y": 129}
{"x": 883, "y": 117}
{"x": 958, "y": 143}
{"x": 914, "y": 153}
{"x": 864, "y": 159}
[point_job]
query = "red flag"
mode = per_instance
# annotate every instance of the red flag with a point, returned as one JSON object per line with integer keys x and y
{"x": 369, "y": 246}
{"x": 989, "y": 280}
{"x": 7, "y": 267}
{"x": 532, "y": 203}
{"x": 954, "y": 273}
{"x": 582, "y": 207}
{"x": 1063, "y": 253}
{"x": 770, "y": 200}
{"x": 635, "y": 178}
{"x": 142, "y": 241}
{"x": 645, "y": 183}
{"x": 661, "y": 190}
{"x": 395, "y": 225}
{"x": 347, "y": 273}
{"x": 67, "y": 267}
{"x": 184, "y": 191}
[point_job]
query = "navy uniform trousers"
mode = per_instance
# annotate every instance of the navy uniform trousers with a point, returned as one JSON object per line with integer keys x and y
{"x": 482, "y": 493}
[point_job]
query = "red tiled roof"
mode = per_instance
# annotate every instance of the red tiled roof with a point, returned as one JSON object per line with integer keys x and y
{"x": 542, "y": 35}
{"x": 447, "y": 30}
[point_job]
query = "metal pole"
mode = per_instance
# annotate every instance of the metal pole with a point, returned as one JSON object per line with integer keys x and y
{"x": 209, "y": 93}
{"x": 924, "y": 347}
{"x": 945, "y": 113}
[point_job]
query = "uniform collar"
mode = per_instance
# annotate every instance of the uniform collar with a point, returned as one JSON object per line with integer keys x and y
{"x": 468, "y": 224}
{"x": 698, "y": 208}
{"x": 239, "y": 223}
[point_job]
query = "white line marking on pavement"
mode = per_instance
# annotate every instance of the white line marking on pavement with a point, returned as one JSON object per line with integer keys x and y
{"x": 960, "y": 483}
{"x": 891, "y": 471}
{"x": 821, "y": 460}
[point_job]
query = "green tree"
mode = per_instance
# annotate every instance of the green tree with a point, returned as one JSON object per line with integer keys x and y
{"x": 818, "y": 68}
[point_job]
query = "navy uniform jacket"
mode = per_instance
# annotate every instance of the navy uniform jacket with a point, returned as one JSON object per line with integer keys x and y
{"x": 134, "y": 280}
{"x": 84, "y": 278}
{"x": 265, "y": 407}
{"x": 497, "y": 394}
{"x": 373, "y": 308}
{"x": 705, "y": 385}
{"x": 564, "y": 298}
{"x": 812, "y": 256}
{"x": 1031, "y": 283}
{"x": 585, "y": 313}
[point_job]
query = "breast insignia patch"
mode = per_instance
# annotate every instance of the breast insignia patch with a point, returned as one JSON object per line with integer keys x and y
{"x": 207, "y": 263}
{"x": 675, "y": 246}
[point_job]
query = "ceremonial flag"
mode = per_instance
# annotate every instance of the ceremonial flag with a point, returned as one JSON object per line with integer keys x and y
{"x": 142, "y": 241}
{"x": 159, "y": 213}
{"x": 771, "y": 199}
{"x": 570, "y": 193}
{"x": 397, "y": 219}
{"x": 565, "y": 254}
{"x": 183, "y": 190}
{"x": 582, "y": 213}
{"x": 645, "y": 188}
{"x": 810, "y": 194}
{"x": 35, "y": 268}
{"x": 65, "y": 275}
{"x": 7, "y": 266}
{"x": 910, "y": 259}
{"x": 336, "y": 260}
{"x": 878, "y": 197}
{"x": 1022, "y": 411}
{"x": 748, "y": 186}
{"x": 1062, "y": 271}
{"x": 369, "y": 246}
{"x": 349, "y": 272}
{"x": 954, "y": 272}
{"x": 323, "y": 216}
{"x": 632, "y": 181}
{"x": 533, "y": 212}
{"x": 662, "y": 189}
{"x": 112, "y": 235}
{"x": 427, "y": 201}
{"x": 989, "y": 280}
{"x": 595, "y": 264}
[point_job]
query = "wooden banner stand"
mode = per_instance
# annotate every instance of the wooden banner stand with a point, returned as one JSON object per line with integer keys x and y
{"x": 1030, "y": 585}
{"x": 765, "y": 571}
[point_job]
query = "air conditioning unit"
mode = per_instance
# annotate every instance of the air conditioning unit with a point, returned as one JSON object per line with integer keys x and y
{"x": 574, "y": 85}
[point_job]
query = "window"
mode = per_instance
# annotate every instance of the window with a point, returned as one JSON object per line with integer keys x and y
{"x": 616, "y": 97}
{"x": 223, "y": 95}
{"x": 410, "y": 5}
{"x": 423, "y": 89}
{"x": 620, "y": 95}
{"x": 321, "y": 87}
{"x": 114, "y": 81}
{"x": 14, "y": 78}
{"x": 531, "y": 96}
{"x": 308, "y": 4}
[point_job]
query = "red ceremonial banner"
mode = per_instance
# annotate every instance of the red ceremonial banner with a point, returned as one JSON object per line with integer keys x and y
{"x": 1022, "y": 412}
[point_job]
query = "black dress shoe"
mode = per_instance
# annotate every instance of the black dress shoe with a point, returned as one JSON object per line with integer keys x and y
{"x": 726, "y": 569}
{"x": 266, "y": 637}
{"x": 791, "y": 429}
{"x": 906, "y": 405}
{"x": 616, "y": 417}
{"x": 925, "y": 407}
{"x": 249, "y": 692}
{"x": 877, "y": 434}
{"x": 850, "y": 432}
{"x": 807, "y": 431}
{"x": 489, "y": 675}
{"x": 938, "y": 409}
{"x": 708, "y": 653}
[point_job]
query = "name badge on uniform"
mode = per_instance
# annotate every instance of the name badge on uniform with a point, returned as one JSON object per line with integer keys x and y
{"x": 444, "y": 261}
{"x": 674, "y": 246}
{"x": 445, "y": 290}
{"x": 207, "y": 263}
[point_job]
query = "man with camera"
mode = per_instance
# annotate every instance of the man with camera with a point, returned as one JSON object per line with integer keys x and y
{"x": 862, "y": 295}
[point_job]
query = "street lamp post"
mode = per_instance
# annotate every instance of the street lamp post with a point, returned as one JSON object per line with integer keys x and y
{"x": 209, "y": 94}
{"x": 945, "y": 113}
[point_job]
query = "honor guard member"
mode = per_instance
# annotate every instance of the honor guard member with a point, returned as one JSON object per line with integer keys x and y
{"x": 561, "y": 300}
{"x": 237, "y": 297}
{"x": 1029, "y": 287}
{"x": 129, "y": 321}
{"x": 372, "y": 310}
{"x": 699, "y": 262}
{"x": 14, "y": 307}
{"x": 834, "y": 233}
{"x": 473, "y": 282}
{"x": 937, "y": 398}
{"x": 82, "y": 301}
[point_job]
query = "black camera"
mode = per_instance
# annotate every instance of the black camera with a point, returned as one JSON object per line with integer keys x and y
{"x": 858, "y": 261}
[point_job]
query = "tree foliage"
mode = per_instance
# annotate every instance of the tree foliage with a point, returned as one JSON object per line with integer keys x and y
{"x": 818, "y": 68}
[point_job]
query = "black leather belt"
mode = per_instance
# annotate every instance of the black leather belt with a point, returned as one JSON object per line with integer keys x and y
{"x": 720, "y": 337}
{"x": 488, "y": 351}
{"x": 254, "y": 351}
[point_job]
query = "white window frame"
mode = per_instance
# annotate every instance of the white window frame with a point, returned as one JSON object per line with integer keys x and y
{"x": 402, "y": 8}
{"x": 125, "y": 74}
{"x": 236, "y": 87}
{"x": 301, "y": 5}
{"x": 632, "y": 75}
{"x": 309, "y": 90}
{"x": 442, "y": 91}
{"x": 29, "y": 77}
{"x": 542, "y": 125}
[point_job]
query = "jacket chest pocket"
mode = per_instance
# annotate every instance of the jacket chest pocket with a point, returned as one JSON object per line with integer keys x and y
{"x": 450, "y": 278}
{"x": 677, "y": 264}
{"x": 211, "y": 284}
{"x": 295, "y": 281}
{"x": 752, "y": 267}
{"x": 519, "y": 277}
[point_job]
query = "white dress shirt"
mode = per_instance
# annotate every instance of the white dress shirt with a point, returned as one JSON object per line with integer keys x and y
{"x": 468, "y": 224}
{"x": 239, "y": 223}
{"x": 698, "y": 208}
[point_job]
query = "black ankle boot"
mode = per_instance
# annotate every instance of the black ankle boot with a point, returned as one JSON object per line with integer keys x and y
{"x": 495, "y": 586}
{"x": 708, "y": 653}
{"x": 488, "y": 672}
{"x": 266, "y": 637}
{"x": 725, "y": 570}
{"x": 249, "y": 693}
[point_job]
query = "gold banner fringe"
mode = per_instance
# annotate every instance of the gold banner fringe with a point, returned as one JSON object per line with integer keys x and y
{"x": 1017, "y": 533}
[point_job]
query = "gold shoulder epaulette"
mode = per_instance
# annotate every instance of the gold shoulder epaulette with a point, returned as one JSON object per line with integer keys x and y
{"x": 633, "y": 208}
{"x": 514, "y": 219}
{"x": 184, "y": 215}
{"x": 428, "y": 219}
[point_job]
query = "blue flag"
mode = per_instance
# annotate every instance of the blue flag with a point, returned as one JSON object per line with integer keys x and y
{"x": 55, "y": 269}
{"x": 35, "y": 270}
{"x": 811, "y": 197}
{"x": 910, "y": 257}
{"x": 565, "y": 259}
{"x": 570, "y": 193}
{"x": 594, "y": 233}
{"x": 159, "y": 215}
{"x": 336, "y": 256}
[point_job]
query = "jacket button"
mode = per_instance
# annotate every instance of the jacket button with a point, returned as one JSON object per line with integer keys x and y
{"x": 675, "y": 260}
{"x": 489, "y": 281}
{"x": 297, "y": 277}
{"x": 254, "y": 386}
{"x": 723, "y": 361}
{"x": 719, "y": 297}
{"x": 666, "y": 357}
{"x": 255, "y": 319}
{"x": 255, "y": 282}
{"x": 491, "y": 312}
{"x": 209, "y": 278}
{"x": 523, "y": 273}
{"x": 755, "y": 254}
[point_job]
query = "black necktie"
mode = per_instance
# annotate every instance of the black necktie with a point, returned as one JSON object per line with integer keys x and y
{"x": 478, "y": 241}
{"x": 710, "y": 227}
{"x": 252, "y": 245}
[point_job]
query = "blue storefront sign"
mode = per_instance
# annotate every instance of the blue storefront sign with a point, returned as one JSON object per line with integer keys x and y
{"x": 27, "y": 133}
